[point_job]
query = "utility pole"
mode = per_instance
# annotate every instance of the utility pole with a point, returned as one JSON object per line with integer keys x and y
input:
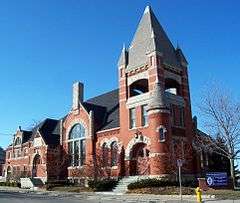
{"x": 179, "y": 164}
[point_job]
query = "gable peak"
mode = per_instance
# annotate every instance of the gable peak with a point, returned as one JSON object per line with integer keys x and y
{"x": 147, "y": 9}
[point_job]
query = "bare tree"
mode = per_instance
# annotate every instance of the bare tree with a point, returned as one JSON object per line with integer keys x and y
{"x": 222, "y": 114}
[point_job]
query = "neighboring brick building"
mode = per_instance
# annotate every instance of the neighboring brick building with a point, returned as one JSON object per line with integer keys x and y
{"x": 35, "y": 153}
{"x": 2, "y": 160}
{"x": 141, "y": 128}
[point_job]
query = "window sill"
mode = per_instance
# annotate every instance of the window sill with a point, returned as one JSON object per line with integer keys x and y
{"x": 75, "y": 167}
{"x": 145, "y": 126}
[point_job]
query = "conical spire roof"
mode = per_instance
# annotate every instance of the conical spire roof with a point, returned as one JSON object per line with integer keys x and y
{"x": 123, "y": 59}
{"x": 157, "y": 98}
{"x": 149, "y": 37}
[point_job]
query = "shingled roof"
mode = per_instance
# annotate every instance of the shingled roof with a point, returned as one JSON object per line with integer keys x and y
{"x": 149, "y": 37}
{"x": 106, "y": 110}
{"x": 26, "y": 135}
{"x": 49, "y": 130}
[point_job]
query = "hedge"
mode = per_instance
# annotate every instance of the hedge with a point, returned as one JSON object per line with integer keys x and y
{"x": 102, "y": 185}
{"x": 10, "y": 184}
{"x": 154, "y": 182}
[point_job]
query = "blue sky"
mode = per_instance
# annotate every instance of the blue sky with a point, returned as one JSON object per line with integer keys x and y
{"x": 47, "y": 45}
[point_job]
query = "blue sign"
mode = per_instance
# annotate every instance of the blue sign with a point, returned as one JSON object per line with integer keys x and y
{"x": 217, "y": 179}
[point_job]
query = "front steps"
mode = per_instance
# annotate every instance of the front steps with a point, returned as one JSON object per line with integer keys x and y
{"x": 31, "y": 183}
{"x": 122, "y": 185}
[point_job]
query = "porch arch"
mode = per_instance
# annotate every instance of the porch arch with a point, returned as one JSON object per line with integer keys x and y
{"x": 138, "y": 139}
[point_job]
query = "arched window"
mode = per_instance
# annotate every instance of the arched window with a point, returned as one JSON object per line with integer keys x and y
{"x": 162, "y": 134}
{"x": 76, "y": 145}
{"x": 172, "y": 86}
{"x": 138, "y": 87}
{"x": 114, "y": 152}
{"x": 105, "y": 154}
{"x": 18, "y": 141}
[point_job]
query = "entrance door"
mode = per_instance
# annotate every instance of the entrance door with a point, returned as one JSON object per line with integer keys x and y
{"x": 139, "y": 164}
{"x": 36, "y": 166}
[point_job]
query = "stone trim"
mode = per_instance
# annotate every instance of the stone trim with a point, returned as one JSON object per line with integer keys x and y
{"x": 154, "y": 154}
{"x": 110, "y": 141}
{"x": 164, "y": 131}
{"x": 139, "y": 76}
{"x": 74, "y": 122}
{"x": 170, "y": 75}
{"x": 138, "y": 100}
{"x": 174, "y": 99}
{"x": 135, "y": 140}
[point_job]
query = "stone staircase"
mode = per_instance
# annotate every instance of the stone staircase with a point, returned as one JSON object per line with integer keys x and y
{"x": 31, "y": 183}
{"x": 124, "y": 182}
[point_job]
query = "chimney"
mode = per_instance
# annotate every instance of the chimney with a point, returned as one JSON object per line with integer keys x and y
{"x": 77, "y": 94}
{"x": 20, "y": 128}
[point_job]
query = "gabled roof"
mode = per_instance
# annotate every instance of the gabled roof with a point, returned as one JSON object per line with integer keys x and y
{"x": 149, "y": 37}
{"x": 2, "y": 155}
{"x": 106, "y": 109}
{"x": 26, "y": 135}
{"x": 49, "y": 130}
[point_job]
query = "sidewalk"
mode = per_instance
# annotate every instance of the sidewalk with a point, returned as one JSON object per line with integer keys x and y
{"x": 101, "y": 196}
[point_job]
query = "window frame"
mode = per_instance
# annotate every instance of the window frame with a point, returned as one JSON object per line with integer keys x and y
{"x": 114, "y": 153}
{"x": 132, "y": 118}
{"x": 181, "y": 117}
{"x": 17, "y": 141}
{"x": 162, "y": 136}
{"x": 144, "y": 115}
{"x": 76, "y": 140}
{"x": 104, "y": 149}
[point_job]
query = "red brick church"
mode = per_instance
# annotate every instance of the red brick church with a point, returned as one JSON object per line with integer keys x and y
{"x": 140, "y": 128}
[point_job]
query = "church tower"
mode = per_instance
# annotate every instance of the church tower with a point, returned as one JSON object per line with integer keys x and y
{"x": 154, "y": 99}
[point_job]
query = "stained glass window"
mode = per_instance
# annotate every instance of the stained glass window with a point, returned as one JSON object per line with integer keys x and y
{"x": 114, "y": 151}
{"x": 76, "y": 145}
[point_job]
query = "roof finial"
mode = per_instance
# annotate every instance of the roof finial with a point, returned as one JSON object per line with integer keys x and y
{"x": 147, "y": 9}
{"x": 124, "y": 47}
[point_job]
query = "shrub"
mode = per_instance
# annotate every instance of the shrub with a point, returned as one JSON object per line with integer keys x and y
{"x": 147, "y": 183}
{"x": 102, "y": 185}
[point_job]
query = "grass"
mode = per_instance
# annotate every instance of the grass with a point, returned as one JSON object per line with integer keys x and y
{"x": 169, "y": 190}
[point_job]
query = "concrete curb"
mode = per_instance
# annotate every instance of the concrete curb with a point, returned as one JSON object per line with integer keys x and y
{"x": 105, "y": 195}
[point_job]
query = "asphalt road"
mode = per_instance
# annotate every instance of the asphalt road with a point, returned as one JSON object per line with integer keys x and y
{"x": 15, "y": 197}
{"x": 11, "y": 197}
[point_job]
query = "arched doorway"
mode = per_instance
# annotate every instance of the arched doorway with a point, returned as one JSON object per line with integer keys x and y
{"x": 9, "y": 172}
{"x": 139, "y": 160}
{"x": 36, "y": 166}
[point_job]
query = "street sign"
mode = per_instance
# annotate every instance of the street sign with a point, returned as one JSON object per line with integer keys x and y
{"x": 179, "y": 162}
{"x": 216, "y": 178}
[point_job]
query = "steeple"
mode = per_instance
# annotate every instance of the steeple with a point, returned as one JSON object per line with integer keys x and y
{"x": 150, "y": 37}
{"x": 123, "y": 59}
